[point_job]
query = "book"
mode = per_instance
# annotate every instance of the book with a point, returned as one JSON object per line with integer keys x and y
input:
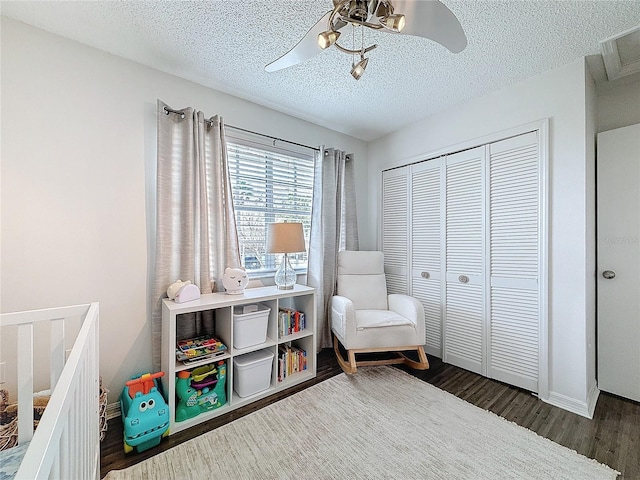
{"x": 291, "y": 360}
{"x": 290, "y": 321}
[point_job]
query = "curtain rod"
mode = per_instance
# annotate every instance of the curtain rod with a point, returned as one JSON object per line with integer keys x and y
{"x": 272, "y": 138}
{"x": 168, "y": 110}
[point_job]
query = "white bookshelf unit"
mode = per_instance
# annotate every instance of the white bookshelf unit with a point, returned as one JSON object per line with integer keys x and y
{"x": 300, "y": 298}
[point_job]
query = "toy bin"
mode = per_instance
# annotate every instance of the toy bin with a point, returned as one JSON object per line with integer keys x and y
{"x": 252, "y": 372}
{"x": 250, "y": 325}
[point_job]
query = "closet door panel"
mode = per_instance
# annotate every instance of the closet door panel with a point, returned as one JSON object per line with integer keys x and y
{"x": 464, "y": 260}
{"x": 395, "y": 228}
{"x": 464, "y": 319}
{"x": 513, "y": 350}
{"x": 426, "y": 258}
{"x": 428, "y": 293}
{"x": 464, "y": 212}
{"x": 514, "y": 336}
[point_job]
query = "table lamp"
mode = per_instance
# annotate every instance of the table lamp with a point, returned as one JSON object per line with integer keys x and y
{"x": 285, "y": 238}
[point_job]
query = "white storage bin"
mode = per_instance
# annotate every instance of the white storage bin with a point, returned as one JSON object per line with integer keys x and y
{"x": 252, "y": 372}
{"x": 250, "y": 328}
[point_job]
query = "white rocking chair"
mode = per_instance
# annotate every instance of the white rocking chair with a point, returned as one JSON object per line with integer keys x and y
{"x": 364, "y": 319}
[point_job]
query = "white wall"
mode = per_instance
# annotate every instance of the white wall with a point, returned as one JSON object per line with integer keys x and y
{"x": 619, "y": 103}
{"x": 560, "y": 96}
{"x": 78, "y": 143}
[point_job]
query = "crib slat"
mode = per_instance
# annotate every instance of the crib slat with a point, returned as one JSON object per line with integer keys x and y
{"x": 25, "y": 382}
{"x": 65, "y": 460}
{"x": 55, "y": 466}
{"x": 57, "y": 350}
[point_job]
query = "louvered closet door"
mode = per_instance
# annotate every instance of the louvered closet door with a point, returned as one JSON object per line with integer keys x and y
{"x": 464, "y": 296}
{"x": 426, "y": 275}
{"x": 395, "y": 228}
{"x": 514, "y": 261}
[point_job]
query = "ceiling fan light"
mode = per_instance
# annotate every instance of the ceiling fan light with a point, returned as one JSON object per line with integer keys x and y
{"x": 358, "y": 69}
{"x": 328, "y": 38}
{"x": 395, "y": 22}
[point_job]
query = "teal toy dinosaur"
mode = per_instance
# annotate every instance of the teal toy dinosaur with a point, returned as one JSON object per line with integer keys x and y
{"x": 197, "y": 396}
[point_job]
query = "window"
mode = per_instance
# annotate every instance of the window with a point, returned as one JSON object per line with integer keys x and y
{"x": 268, "y": 185}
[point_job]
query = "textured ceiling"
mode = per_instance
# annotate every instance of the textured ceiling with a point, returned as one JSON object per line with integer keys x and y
{"x": 226, "y": 44}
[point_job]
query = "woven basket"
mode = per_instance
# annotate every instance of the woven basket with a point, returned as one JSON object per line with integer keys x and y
{"x": 9, "y": 421}
{"x": 8, "y": 427}
{"x": 103, "y": 411}
{"x": 9, "y": 418}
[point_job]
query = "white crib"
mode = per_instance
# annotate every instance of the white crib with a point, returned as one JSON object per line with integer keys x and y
{"x": 66, "y": 444}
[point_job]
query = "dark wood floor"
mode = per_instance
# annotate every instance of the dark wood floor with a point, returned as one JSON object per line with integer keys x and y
{"x": 612, "y": 437}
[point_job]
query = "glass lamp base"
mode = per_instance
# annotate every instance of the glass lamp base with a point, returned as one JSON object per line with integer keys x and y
{"x": 285, "y": 277}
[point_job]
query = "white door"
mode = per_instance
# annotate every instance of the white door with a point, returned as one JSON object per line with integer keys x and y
{"x": 395, "y": 228}
{"x": 514, "y": 253}
{"x": 464, "y": 317}
{"x": 618, "y": 210}
{"x": 426, "y": 254}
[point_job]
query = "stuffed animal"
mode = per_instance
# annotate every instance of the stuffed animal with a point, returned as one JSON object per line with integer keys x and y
{"x": 235, "y": 280}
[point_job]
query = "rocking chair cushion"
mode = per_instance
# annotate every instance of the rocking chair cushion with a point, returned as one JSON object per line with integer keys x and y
{"x": 379, "y": 318}
{"x": 361, "y": 279}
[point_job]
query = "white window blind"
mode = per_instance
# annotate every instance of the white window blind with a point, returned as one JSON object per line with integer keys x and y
{"x": 268, "y": 185}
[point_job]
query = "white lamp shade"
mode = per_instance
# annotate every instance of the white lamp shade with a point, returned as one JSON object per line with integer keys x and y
{"x": 285, "y": 238}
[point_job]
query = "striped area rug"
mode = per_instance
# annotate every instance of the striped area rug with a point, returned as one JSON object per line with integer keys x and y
{"x": 378, "y": 424}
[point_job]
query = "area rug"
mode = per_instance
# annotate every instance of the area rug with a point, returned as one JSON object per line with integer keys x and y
{"x": 380, "y": 423}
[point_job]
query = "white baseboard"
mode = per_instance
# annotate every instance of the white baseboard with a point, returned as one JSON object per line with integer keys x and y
{"x": 436, "y": 352}
{"x": 584, "y": 409}
{"x": 113, "y": 410}
{"x": 592, "y": 399}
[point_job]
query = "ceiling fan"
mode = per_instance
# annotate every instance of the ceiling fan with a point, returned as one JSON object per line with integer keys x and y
{"x": 421, "y": 18}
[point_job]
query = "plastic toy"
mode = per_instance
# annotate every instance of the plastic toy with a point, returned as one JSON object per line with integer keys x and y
{"x": 198, "y": 348}
{"x": 204, "y": 377}
{"x": 199, "y": 391}
{"x": 188, "y": 397}
{"x": 145, "y": 414}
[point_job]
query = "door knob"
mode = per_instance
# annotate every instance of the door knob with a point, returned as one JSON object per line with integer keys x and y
{"x": 609, "y": 274}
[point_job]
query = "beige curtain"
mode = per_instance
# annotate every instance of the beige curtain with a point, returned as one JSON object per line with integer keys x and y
{"x": 334, "y": 227}
{"x": 196, "y": 236}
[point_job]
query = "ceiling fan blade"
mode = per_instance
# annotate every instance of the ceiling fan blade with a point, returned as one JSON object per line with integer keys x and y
{"x": 305, "y": 49}
{"x": 433, "y": 20}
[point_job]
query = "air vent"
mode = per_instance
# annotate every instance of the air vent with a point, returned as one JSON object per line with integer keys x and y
{"x": 621, "y": 54}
